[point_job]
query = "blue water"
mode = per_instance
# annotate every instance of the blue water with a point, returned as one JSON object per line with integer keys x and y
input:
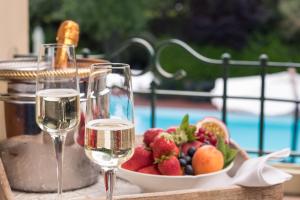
{"x": 243, "y": 128}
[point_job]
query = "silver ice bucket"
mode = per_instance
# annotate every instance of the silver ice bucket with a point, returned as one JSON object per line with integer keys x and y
{"x": 27, "y": 154}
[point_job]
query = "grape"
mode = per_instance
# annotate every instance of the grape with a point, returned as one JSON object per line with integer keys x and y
{"x": 182, "y": 162}
{"x": 201, "y": 138}
{"x": 188, "y": 159}
{"x": 188, "y": 170}
{"x": 213, "y": 140}
{"x": 181, "y": 155}
{"x": 191, "y": 151}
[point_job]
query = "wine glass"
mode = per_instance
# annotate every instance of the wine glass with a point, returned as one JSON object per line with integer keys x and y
{"x": 109, "y": 135}
{"x": 57, "y": 97}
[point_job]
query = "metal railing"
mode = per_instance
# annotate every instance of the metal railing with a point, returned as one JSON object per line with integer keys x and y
{"x": 226, "y": 63}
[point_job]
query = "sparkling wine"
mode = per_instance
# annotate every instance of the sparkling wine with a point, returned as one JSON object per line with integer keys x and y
{"x": 109, "y": 142}
{"x": 57, "y": 109}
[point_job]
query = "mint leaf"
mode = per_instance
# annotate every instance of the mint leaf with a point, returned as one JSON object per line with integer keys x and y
{"x": 231, "y": 154}
{"x": 228, "y": 152}
{"x": 190, "y": 132}
{"x": 185, "y": 132}
{"x": 221, "y": 146}
{"x": 185, "y": 122}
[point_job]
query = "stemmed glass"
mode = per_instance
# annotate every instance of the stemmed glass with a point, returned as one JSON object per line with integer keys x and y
{"x": 57, "y": 97}
{"x": 109, "y": 136}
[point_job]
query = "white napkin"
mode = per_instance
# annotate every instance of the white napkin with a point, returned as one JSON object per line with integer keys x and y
{"x": 255, "y": 172}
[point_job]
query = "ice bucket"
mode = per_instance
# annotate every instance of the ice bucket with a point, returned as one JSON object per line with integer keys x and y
{"x": 27, "y": 154}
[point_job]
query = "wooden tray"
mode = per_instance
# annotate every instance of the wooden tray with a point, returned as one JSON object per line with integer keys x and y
{"x": 229, "y": 193}
{"x": 131, "y": 192}
{"x": 127, "y": 191}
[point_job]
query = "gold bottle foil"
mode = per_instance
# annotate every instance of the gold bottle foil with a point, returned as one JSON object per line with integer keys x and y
{"x": 68, "y": 34}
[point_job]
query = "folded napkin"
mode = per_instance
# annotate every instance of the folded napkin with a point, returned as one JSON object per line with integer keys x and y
{"x": 254, "y": 172}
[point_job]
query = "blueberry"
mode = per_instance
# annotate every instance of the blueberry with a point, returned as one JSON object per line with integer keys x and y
{"x": 191, "y": 151}
{"x": 206, "y": 142}
{"x": 188, "y": 159}
{"x": 181, "y": 155}
{"x": 182, "y": 162}
{"x": 188, "y": 170}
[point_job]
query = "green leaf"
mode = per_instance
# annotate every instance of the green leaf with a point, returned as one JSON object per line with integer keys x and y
{"x": 228, "y": 152}
{"x": 185, "y": 132}
{"x": 231, "y": 154}
{"x": 221, "y": 146}
{"x": 185, "y": 122}
{"x": 190, "y": 132}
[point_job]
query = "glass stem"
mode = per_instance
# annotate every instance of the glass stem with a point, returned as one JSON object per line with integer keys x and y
{"x": 58, "y": 141}
{"x": 109, "y": 181}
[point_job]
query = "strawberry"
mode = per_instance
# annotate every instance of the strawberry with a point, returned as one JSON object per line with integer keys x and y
{"x": 141, "y": 158}
{"x": 152, "y": 169}
{"x": 170, "y": 166}
{"x": 171, "y": 129}
{"x": 150, "y": 135}
{"x": 164, "y": 145}
{"x": 185, "y": 147}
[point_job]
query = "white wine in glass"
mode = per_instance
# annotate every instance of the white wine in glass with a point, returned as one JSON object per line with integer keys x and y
{"x": 57, "y": 99}
{"x": 109, "y": 141}
{"x": 57, "y": 109}
{"x": 109, "y": 135}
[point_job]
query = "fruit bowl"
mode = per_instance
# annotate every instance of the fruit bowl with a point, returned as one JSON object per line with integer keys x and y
{"x": 183, "y": 157}
{"x": 159, "y": 183}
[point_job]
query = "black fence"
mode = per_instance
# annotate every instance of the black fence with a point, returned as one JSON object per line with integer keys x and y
{"x": 154, "y": 65}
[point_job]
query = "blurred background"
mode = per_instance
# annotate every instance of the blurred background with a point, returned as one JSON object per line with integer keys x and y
{"x": 243, "y": 28}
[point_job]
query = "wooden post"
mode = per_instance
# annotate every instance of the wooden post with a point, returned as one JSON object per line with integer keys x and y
{"x": 5, "y": 190}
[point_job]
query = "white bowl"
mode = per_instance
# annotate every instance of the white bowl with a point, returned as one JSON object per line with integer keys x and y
{"x": 159, "y": 183}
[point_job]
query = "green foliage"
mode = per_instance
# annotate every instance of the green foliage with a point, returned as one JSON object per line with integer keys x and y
{"x": 103, "y": 23}
{"x": 106, "y": 23}
{"x": 105, "y": 18}
{"x": 174, "y": 58}
{"x": 42, "y": 13}
{"x": 290, "y": 24}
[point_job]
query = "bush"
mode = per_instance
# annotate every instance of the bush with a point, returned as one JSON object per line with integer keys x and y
{"x": 290, "y": 23}
{"x": 217, "y": 22}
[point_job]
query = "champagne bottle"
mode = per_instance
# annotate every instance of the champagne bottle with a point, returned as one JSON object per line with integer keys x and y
{"x": 68, "y": 33}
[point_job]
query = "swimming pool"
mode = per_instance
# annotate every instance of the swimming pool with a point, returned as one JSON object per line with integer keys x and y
{"x": 243, "y": 127}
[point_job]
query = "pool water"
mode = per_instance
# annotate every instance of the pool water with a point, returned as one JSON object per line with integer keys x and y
{"x": 243, "y": 127}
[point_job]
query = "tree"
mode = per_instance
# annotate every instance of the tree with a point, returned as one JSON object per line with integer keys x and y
{"x": 103, "y": 23}
{"x": 227, "y": 23}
